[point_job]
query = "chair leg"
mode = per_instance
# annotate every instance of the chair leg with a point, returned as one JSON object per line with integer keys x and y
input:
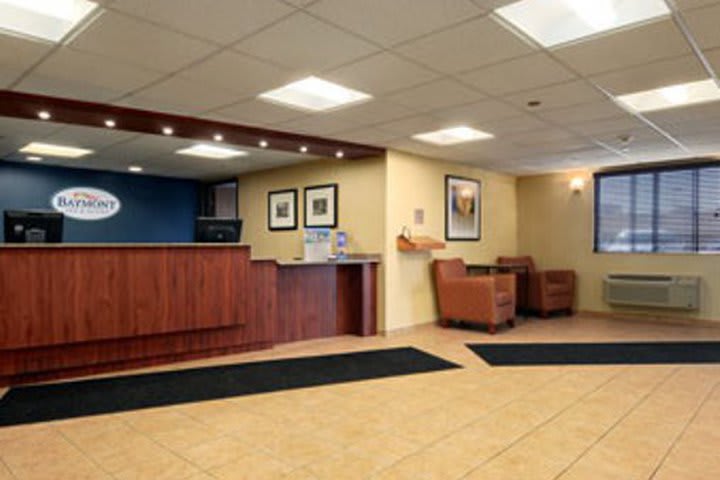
{"x": 570, "y": 312}
{"x": 511, "y": 323}
{"x": 492, "y": 328}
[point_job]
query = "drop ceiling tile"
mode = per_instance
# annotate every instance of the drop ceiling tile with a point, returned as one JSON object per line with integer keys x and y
{"x": 703, "y": 24}
{"x": 557, "y": 137}
{"x": 304, "y": 43}
{"x": 435, "y": 95}
{"x": 501, "y": 127}
{"x": 626, "y": 48}
{"x": 466, "y": 46}
{"x": 586, "y": 112}
{"x": 652, "y": 75}
{"x": 380, "y": 74}
{"x": 129, "y": 40}
{"x": 524, "y": 73}
{"x": 412, "y": 125}
{"x": 238, "y": 73}
{"x": 315, "y": 124}
{"x": 86, "y": 76}
{"x": 88, "y": 137}
{"x": 366, "y": 135}
{"x": 371, "y": 112}
{"x": 690, "y": 4}
{"x": 694, "y": 118}
{"x": 390, "y": 22}
{"x": 221, "y": 21}
{"x": 477, "y": 112}
{"x": 255, "y": 112}
{"x": 17, "y": 55}
{"x": 300, "y": 3}
{"x": 558, "y": 96}
{"x": 713, "y": 56}
{"x": 609, "y": 126}
{"x": 180, "y": 96}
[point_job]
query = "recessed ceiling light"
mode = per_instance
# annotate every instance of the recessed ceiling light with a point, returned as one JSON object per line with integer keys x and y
{"x": 218, "y": 137}
{"x": 672, "y": 96}
{"x": 303, "y": 149}
{"x": 263, "y": 144}
{"x": 110, "y": 123}
{"x": 49, "y": 20}
{"x": 44, "y": 115}
{"x": 33, "y": 158}
{"x": 314, "y": 94}
{"x": 51, "y": 150}
{"x": 339, "y": 154}
{"x": 211, "y": 151}
{"x": 562, "y": 21}
{"x": 452, "y": 136}
{"x": 135, "y": 168}
{"x": 167, "y": 131}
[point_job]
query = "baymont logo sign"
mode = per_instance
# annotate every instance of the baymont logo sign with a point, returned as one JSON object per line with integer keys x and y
{"x": 85, "y": 203}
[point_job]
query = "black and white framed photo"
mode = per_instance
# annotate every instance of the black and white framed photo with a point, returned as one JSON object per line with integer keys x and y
{"x": 462, "y": 208}
{"x": 321, "y": 206}
{"x": 282, "y": 210}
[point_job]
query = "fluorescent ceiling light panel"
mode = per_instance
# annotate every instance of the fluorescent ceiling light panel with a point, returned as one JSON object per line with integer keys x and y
{"x": 211, "y": 151}
{"x": 452, "y": 136}
{"x": 554, "y": 22}
{"x": 49, "y": 20}
{"x": 672, "y": 96}
{"x": 51, "y": 150}
{"x": 314, "y": 94}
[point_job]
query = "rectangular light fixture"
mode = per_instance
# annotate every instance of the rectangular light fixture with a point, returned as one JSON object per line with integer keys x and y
{"x": 672, "y": 96}
{"x": 211, "y": 151}
{"x": 453, "y": 136}
{"x": 552, "y": 23}
{"x": 51, "y": 150}
{"x": 49, "y": 20}
{"x": 315, "y": 95}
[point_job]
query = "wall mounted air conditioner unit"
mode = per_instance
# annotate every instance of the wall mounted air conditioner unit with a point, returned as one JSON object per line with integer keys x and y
{"x": 660, "y": 291}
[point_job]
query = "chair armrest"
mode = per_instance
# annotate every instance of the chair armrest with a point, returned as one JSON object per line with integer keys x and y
{"x": 560, "y": 276}
{"x": 506, "y": 282}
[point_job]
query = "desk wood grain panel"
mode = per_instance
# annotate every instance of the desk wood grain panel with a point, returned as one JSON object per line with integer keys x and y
{"x": 50, "y": 297}
{"x": 306, "y": 302}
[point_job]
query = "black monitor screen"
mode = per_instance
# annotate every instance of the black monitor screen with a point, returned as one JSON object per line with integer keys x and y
{"x": 218, "y": 230}
{"x": 33, "y": 226}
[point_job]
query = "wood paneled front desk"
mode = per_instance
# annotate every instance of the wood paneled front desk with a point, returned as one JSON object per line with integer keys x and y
{"x": 68, "y": 310}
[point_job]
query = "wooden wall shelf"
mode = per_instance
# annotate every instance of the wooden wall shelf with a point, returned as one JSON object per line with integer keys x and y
{"x": 418, "y": 243}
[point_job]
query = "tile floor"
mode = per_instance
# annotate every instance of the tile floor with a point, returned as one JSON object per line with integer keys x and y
{"x": 607, "y": 422}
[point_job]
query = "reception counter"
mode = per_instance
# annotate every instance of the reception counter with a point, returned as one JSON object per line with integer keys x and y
{"x": 69, "y": 310}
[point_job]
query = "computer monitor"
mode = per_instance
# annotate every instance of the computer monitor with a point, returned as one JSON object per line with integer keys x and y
{"x": 218, "y": 230}
{"x": 33, "y": 226}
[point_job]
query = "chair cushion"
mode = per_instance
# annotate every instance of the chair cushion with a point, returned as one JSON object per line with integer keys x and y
{"x": 502, "y": 298}
{"x": 559, "y": 289}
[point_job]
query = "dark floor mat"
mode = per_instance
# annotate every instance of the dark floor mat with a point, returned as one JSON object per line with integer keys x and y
{"x": 108, "y": 395}
{"x": 510, "y": 354}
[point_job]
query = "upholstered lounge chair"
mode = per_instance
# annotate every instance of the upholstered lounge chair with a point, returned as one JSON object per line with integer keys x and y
{"x": 547, "y": 291}
{"x": 486, "y": 299}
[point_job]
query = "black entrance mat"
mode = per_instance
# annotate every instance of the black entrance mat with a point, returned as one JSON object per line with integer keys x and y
{"x": 515, "y": 354}
{"x": 90, "y": 397}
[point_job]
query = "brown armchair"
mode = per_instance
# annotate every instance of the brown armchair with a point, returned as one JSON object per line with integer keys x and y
{"x": 545, "y": 291}
{"x": 486, "y": 299}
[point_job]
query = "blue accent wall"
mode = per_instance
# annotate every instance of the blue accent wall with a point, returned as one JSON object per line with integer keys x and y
{"x": 154, "y": 209}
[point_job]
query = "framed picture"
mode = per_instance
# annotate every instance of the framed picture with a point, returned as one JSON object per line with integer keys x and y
{"x": 282, "y": 210}
{"x": 321, "y": 209}
{"x": 462, "y": 208}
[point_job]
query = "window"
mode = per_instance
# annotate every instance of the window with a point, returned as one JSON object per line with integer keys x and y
{"x": 670, "y": 209}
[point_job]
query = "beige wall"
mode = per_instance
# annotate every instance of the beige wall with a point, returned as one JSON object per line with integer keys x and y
{"x": 361, "y": 204}
{"x": 416, "y": 182}
{"x": 556, "y": 227}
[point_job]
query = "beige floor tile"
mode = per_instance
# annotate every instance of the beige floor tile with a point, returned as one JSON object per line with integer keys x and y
{"x": 301, "y": 450}
{"x": 252, "y": 467}
{"x": 165, "y": 467}
{"x": 216, "y": 452}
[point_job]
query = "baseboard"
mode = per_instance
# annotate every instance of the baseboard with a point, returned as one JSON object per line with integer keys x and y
{"x": 405, "y": 329}
{"x": 653, "y": 318}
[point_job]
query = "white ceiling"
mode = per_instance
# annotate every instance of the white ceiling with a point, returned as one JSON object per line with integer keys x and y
{"x": 428, "y": 63}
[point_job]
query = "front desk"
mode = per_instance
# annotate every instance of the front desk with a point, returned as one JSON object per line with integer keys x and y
{"x": 68, "y": 310}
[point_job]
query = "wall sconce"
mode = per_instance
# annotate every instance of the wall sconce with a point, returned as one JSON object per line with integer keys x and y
{"x": 577, "y": 184}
